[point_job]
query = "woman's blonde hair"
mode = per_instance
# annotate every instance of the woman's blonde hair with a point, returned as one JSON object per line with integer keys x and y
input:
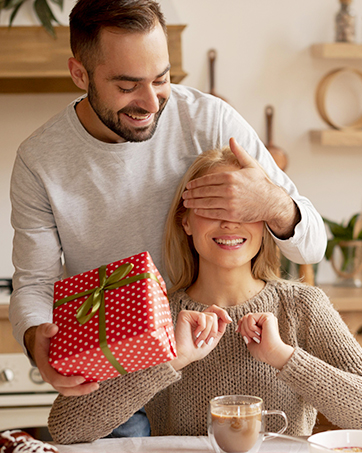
{"x": 180, "y": 256}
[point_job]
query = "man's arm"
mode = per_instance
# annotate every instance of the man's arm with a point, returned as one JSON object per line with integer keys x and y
{"x": 287, "y": 218}
{"x": 37, "y": 260}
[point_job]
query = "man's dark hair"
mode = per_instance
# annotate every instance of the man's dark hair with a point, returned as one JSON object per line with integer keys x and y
{"x": 89, "y": 17}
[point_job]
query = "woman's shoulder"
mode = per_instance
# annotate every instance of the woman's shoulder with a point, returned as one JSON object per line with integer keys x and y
{"x": 295, "y": 286}
{"x": 298, "y": 293}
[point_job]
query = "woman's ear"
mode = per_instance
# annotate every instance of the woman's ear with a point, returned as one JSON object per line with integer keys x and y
{"x": 78, "y": 73}
{"x": 186, "y": 225}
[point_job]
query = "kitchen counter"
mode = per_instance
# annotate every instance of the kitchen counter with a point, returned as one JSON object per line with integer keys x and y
{"x": 4, "y": 298}
{"x": 8, "y": 344}
{"x": 344, "y": 298}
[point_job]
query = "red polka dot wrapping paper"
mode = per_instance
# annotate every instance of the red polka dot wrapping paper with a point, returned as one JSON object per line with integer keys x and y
{"x": 138, "y": 324}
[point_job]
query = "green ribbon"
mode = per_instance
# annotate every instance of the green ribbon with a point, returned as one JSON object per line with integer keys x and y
{"x": 95, "y": 302}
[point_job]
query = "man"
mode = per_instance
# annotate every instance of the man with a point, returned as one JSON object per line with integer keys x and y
{"x": 94, "y": 183}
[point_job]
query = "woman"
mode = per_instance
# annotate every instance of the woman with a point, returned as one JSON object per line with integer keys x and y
{"x": 239, "y": 330}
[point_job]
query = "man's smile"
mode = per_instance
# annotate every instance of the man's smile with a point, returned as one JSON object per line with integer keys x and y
{"x": 138, "y": 117}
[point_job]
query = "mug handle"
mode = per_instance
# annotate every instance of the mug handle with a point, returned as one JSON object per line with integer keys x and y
{"x": 276, "y": 412}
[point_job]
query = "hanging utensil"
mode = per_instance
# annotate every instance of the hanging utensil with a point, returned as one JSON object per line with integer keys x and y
{"x": 278, "y": 154}
{"x": 212, "y": 59}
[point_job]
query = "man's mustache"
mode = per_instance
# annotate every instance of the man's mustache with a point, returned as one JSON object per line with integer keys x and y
{"x": 139, "y": 111}
{"x": 134, "y": 111}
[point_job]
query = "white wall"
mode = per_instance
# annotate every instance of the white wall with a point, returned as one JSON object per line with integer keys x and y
{"x": 263, "y": 58}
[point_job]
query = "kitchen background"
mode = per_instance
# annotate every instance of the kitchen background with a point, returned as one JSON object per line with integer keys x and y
{"x": 263, "y": 57}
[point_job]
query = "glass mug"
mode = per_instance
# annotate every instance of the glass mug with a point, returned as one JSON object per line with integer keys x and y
{"x": 236, "y": 423}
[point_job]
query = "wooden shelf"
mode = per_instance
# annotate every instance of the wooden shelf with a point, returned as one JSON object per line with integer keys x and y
{"x": 334, "y": 137}
{"x": 337, "y": 137}
{"x": 33, "y": 62}
{"x": 337, "y": 50}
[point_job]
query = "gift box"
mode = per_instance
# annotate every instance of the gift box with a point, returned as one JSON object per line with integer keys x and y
{"x": 112, "y": 320}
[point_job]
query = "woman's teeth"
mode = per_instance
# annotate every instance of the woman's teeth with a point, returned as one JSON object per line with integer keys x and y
{"x": 230, "y": 242}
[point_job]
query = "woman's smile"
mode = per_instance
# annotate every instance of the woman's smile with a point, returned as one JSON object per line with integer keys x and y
{"x": 229, "y": 242}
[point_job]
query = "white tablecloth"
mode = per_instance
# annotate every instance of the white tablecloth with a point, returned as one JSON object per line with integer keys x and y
{"x": 172, "y": 444}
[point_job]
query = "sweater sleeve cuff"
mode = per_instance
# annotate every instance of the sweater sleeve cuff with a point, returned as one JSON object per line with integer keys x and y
{"x": 307, "y": 375}
{"x": 294, "y": 364}
{"x": 325, "y": 387}
{"x": 299, "y": 229}
{"x": 75, "y": 419}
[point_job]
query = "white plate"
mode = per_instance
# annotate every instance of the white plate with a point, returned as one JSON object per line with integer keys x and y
{"x": 336, "y": 439}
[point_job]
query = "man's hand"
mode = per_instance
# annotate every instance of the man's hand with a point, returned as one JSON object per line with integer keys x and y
{"x": 246, "y": 196}
{"x": 260, "y": 332}
{"x": 37, "y": 340}
{"x": 197, "y": 334}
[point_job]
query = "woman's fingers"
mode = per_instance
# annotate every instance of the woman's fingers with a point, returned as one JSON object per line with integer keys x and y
{"x": 220, "y": 320}
{"x": 200, "y": 325}
{"x": 267, "y": 347}
{"x": 209, "y": 330}
{"x": 211, "y": 325}
{"x": 196, "y": 336}
{"x": 250, "y": 327}
{"x": 205, "y": 327}
{"x": 223, "y": 317}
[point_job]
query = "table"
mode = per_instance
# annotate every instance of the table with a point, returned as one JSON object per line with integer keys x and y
{"x": 172, "y": 444}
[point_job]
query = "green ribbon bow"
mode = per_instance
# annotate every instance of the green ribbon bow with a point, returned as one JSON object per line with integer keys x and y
{"x": 95, "y": 302}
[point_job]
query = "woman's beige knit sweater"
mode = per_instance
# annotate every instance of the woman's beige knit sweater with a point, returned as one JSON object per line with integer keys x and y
{"x": 324, "y": 373}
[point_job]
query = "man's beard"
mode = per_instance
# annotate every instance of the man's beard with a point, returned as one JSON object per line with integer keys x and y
{"x": 113, "y": 121}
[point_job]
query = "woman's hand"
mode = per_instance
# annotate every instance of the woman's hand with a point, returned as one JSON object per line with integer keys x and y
{"x": 260, "y": 332}
{"x": 197, "y": 334}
